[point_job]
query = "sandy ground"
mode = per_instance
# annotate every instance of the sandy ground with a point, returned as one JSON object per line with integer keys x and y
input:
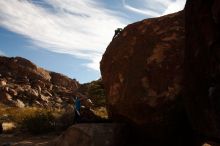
{"x": 25, "y": 139}
{"x": 13, "y": 138}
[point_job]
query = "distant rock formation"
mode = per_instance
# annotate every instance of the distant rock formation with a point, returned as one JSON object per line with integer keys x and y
{"x": 23, "y": 84}
{"x": 142, "y": 71}
{"x": 202, "y": 66}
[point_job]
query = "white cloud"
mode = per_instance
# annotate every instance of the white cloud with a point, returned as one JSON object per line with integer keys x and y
{"x": 175, "y": 7}
{"x": 2, "y": 53}
{"x": 141, "y": 11}
{"x": 155, "y": 8}
{"x": 82, "y": 28}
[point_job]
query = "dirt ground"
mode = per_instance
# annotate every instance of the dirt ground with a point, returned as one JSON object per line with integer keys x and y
{"x": 25, "y": 139}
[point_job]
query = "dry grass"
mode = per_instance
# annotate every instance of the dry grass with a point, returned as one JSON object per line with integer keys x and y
{"x": 17, "y": 115}
{"x": 31, "y": 117}
{"x": 19, "y": 118}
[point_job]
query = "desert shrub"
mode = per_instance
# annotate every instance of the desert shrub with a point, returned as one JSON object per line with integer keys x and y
{"x": 39, "y": 122}
{"x": 95, "y": 91}
{"x": 36, "y": 120}
{"x": 17, "y": 115}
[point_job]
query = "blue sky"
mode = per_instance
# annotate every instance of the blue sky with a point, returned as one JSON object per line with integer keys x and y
{"x": 70, "y": 36}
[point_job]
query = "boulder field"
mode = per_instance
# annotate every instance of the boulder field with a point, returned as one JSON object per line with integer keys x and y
{"x": 23, "y": 84}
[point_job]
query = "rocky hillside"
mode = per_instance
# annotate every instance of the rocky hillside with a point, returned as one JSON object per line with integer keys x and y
{"x": 95, "y": 91}
{"x": 142, "y": 71}
{"x": 24, "y": 84}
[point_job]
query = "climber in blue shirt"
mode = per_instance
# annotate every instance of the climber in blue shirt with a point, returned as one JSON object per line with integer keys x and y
{"x": 77, "y": 105}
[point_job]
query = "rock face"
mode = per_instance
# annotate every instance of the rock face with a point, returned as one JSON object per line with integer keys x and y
{"x": 22, "y": 84}
{"x": 202, "y": 61}
{"x": 61, "y": 80}
{"x": 142, "y": 71}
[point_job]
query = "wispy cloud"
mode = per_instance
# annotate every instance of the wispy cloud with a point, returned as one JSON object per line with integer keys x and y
{"x": 139, "y": 10}
{"x": 155, "y": 8}
{"x": 82, "y": 28}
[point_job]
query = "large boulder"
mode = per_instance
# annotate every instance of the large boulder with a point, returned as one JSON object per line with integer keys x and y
{"x": 5, "y": 97}
{"x": 202, "y": 71}
{"x": 3, "y": 82}
{"x": 19, "y": 103}
{"x": 142, "y": 71}
{"x": 92, "y": 135}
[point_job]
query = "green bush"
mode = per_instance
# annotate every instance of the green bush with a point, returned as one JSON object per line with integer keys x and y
{"x": 39, "y": 123}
